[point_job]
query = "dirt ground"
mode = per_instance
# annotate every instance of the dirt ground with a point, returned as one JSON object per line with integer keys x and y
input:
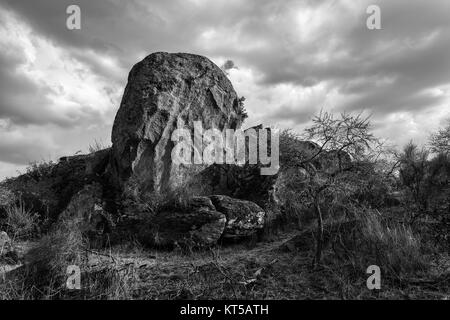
{"x": 263, "y": 271}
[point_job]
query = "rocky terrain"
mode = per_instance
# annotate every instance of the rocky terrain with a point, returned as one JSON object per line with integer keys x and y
{"x": 141, "y": 226}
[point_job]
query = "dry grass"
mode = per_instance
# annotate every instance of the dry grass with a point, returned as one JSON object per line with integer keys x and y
{"x": 20, "y": 221}
{"x": 236, "y": 272}
{"x": 96, "y": 145}
{"x": 396, "y": 247}
{"x": 44, "y": 273}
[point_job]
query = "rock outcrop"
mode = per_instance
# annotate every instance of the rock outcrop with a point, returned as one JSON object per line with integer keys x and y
{"x": 165, "y": 92}
{"x": 47, "y": 188}
{"x": 86, "y": 209}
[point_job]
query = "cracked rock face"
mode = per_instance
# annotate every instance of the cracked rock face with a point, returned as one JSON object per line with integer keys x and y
{"x": 165, "y": 91}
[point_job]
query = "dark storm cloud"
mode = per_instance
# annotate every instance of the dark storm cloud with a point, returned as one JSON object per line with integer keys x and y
{"x": 121, "y": 29}
{"x": 304, "y": 44}
{"x": 385, "y": 71}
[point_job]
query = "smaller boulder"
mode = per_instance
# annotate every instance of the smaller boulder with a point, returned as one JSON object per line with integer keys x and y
{"x": 198, "y": 224}
{"x": 244, "y": 218}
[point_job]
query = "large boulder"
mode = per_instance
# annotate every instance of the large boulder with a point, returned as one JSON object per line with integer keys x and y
{"x": 244, "y": 218}
{"x": 196, "y": 224}
{"x": 165, "y": 92}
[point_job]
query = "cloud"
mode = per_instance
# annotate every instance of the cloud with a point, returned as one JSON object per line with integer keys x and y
{"x": 295, "y": 57}
{"x": 22, "y": 146}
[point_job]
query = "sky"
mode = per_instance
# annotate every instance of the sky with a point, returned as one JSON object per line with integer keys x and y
{"x": 60, "y": 89}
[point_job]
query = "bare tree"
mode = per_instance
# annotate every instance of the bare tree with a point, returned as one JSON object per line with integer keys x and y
{"x": 347, "y": 139}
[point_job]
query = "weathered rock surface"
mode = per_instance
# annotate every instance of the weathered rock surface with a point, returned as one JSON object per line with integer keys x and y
{"x": 48, "y": 188}
{"x": 86, "y": 209}
{"x": 90, "y": 164}
{"x": 202, "y": 221}
{"x": 244, "y": 218}
{"x": 165, "y": 91}
{"x": 198, "y": 224}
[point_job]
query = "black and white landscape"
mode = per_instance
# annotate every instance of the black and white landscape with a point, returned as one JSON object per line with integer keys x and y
{"x": 250, "y": 150}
